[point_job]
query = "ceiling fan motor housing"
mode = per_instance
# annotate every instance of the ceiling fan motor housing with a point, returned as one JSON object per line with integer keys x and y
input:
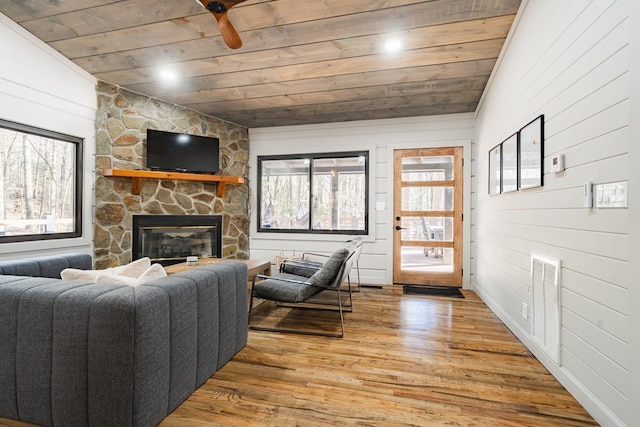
{"x": 216, "y": 7}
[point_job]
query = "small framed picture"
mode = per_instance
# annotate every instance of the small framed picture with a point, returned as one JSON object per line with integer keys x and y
{"x": 531, "y": 156}
{"x": 495, "y": 170}
{"x": 510, "y": 164}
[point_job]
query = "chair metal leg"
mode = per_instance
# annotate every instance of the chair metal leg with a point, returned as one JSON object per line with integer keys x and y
{"x": 357, "y": 289}
{"x": 300, "y": 331}
{"x": 340, "y": 305}
{"x": 314, "y": 305}
{"x": 297, "y": 331}
{"x": 253, "y": 282}
{"x": 350, "y": 296}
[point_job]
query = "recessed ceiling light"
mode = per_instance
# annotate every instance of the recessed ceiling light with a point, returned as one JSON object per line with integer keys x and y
{"x": 393, "y": 45}
{"x": 168, "y": 75}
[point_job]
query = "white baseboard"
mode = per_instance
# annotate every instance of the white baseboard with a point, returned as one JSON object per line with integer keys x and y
{"x": 600, "y": 412}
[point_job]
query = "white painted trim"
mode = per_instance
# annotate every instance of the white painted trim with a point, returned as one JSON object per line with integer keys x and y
{"x": 586, "y": 398}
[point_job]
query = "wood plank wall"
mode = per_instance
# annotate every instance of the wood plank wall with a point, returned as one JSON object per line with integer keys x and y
{"x": 569, "y": 61}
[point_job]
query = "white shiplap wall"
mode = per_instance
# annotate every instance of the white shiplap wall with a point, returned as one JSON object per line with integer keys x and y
{"x": 380, "y": 138}
{"x": 634, "y": 209}
{"x": 41, "y": 88}
{"x": 568, "y": 60}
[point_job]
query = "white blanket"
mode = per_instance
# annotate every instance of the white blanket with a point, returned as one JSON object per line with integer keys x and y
{"x": 133, "y": 274}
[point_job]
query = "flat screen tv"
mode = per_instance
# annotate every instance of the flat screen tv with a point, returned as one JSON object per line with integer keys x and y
{"x": 180, "y": 152}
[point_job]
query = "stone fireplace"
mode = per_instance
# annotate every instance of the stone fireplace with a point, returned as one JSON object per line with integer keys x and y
{"x": 169, "y": 239}
{"x": 122, "y": 120}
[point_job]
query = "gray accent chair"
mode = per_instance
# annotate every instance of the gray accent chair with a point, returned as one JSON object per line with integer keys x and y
{"x": 317, "y": 260}
{"x": 298, "y": 282}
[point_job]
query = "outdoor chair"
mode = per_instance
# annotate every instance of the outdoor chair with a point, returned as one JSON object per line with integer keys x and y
{"x": 429, "y": 234}
{"x": 299, "y": 284}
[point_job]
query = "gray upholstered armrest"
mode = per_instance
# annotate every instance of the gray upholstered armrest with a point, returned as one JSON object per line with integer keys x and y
{"x": 314, "y": 254}
{"x": 283, "y": 279}
{"x": 46, "y": 266}
{"x": 315, "y": 257}
{"x": 283, "y": 287}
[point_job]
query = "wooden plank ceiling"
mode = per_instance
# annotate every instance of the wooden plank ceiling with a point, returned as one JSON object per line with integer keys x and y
{"x": 303, "y": 61}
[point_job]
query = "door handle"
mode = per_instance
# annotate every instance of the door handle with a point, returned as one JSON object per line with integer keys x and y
{"x": 400, "y": 228}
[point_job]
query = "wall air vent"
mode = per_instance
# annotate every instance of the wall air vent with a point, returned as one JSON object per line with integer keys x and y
{"x": 545, "y": 285}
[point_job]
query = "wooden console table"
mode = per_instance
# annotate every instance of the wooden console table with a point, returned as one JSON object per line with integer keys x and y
{"x": 137, "y": 175}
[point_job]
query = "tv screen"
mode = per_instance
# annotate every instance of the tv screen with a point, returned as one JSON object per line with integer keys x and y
{"x": 179, "y": 152}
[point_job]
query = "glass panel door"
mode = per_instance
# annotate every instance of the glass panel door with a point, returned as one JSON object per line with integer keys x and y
{"x": 428, "y": 216}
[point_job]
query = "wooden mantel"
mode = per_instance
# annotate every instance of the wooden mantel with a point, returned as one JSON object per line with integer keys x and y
{"x": 137, "y": 175}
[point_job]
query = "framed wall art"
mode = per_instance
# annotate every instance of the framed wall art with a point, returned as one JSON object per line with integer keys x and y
{"x": 531, "y": 154}
{"x": 495, "y": 170}
{"x": 510, "y": 164}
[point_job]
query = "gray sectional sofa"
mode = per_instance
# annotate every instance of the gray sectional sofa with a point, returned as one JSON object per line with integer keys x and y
{"x": 84, "y": 354}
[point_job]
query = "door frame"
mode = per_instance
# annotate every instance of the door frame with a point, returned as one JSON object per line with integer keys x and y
{"x": 467, "y": 203}
{"x": 451, "y": 278}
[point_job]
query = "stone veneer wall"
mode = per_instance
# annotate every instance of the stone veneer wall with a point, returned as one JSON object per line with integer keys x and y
{"x": 121, "y": 123}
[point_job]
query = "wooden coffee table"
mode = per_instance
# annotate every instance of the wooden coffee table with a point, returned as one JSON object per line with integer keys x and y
{"x": 254, "y": 266}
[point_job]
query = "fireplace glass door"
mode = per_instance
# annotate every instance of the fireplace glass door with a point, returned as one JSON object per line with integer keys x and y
{"x": 177, "y": 243}
{"x": 169, "y": 239}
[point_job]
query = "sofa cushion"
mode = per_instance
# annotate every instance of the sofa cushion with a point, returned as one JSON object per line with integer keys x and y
{"x": 292, "y": 289}
{"x": 300, "y": 268}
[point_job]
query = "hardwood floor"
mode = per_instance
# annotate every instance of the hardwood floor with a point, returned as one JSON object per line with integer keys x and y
{"x": 405, "y": 360}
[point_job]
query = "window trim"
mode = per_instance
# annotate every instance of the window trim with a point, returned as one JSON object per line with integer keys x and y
{"x": 312, "y": 157}
{"x": 78, "y": 184}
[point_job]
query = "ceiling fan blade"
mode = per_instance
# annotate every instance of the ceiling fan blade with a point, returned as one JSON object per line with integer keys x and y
{"x": 219, "y": 9}
{"x": 228, "y": 31}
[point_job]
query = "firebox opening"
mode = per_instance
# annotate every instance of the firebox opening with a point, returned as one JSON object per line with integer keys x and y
{"x": 169, "y": 239}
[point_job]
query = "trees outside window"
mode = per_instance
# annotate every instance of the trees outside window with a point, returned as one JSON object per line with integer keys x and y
{"x": 40, "y": 184}
{"x": 314, "y": 193}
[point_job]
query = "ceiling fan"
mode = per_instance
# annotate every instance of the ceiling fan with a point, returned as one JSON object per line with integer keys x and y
{"x": 219, "y": 10}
